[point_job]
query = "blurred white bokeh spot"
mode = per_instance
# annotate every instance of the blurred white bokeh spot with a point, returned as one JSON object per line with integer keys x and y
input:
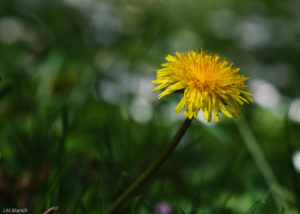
{"x": 144, "y": 88}
{"x": 79, "y": 3}
{"x": 201, "y": 118}
{"x": 294, "y": 111}
{"x": 11, "y": 30}
{"x": 110, "y": 92}
{"x": 104, "y": 22}
{"x": 264, "y": 93}
{"x": 141, "y": 110}
{"x": 296, "y": 160}
{"x": 254, "y": 32}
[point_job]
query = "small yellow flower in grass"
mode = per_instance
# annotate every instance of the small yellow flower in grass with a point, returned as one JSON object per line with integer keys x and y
{"x": 209, "y": 82}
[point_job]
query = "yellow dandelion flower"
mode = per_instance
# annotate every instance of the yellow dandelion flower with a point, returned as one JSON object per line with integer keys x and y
{"x": 209, "y": 82}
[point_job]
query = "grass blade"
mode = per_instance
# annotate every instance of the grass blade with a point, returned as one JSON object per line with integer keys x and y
{"x": 181, "y": 211}
{"x": 134, "y": 204}
{"x": 255, "y": 206}
{"x": 50, "y": 190}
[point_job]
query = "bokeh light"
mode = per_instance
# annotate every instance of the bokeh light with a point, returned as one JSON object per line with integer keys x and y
{"x": 294, "y": 111}
{"x": 264, "y": 93}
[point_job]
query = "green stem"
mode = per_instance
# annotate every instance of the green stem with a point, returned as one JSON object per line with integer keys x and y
{"x": 151, "y": 169}
{"x": 261, "y": 163}
{"x": 290, "y": 150}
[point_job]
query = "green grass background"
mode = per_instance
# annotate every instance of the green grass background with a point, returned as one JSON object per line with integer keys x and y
{"x": 78, "y": 120}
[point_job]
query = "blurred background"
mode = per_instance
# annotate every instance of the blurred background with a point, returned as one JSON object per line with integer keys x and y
{"x": 79, "y": 121}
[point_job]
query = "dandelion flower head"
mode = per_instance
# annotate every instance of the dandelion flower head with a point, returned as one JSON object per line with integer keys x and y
{"x": 209, "y": 83}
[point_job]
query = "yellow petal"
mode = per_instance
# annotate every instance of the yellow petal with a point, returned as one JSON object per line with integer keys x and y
{"x": 180, "y": 105}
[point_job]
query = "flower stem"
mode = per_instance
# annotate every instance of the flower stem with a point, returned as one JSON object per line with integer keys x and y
{"x": 151, "y": 169}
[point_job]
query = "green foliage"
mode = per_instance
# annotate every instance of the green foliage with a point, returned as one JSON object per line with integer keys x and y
{"x": 134, "y": 204}
{"x": 255, "y": 207}
{"x": 79, "y": 121}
